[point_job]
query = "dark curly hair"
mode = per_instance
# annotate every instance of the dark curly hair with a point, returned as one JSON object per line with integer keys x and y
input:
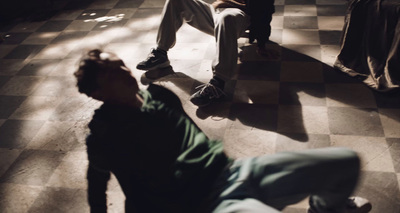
{"x": 90, "y": 67}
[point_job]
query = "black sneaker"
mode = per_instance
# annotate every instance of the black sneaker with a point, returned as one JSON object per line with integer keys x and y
{"x": 206, "y": 94}
{"x": 353, "y": 205}
{"x": 155, "y": 60}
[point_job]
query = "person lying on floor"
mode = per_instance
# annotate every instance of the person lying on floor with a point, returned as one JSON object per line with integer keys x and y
{"x": 165, "y": 163}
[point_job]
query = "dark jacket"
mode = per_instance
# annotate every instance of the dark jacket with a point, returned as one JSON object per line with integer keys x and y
{"x": 162, "y": 160}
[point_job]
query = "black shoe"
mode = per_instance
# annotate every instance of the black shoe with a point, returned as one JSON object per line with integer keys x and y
{"x": 156, "y": 59}
{"x": 353, "y": 205}
{"x": 207, "y": 93}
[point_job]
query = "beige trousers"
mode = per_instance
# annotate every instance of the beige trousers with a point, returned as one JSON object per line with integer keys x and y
{"x": 226, "y": 24}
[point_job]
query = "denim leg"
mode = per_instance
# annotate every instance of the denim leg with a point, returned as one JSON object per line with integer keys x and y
{"x": 247, "y": 205}
{"x": 328, "y": 175}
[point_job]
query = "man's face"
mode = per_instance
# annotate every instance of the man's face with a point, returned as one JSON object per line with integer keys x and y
{"x": 116, "y": 85}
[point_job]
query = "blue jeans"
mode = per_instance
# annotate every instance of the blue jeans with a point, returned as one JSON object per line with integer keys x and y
{"x": 327, "y": 175}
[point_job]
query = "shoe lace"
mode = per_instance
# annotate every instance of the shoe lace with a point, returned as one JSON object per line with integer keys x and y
{"x": 151, "y": 54}
{"x": 211, "y": 90}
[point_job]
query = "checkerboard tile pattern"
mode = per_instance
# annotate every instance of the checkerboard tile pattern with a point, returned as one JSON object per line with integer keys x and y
{"x": 290, "y": 102}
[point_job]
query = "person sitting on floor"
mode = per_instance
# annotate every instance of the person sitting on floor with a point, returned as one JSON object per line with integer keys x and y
{"x": 226, "y": 20}
{"x": 165, "y": 163}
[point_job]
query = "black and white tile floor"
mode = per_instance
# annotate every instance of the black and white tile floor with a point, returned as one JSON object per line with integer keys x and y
{"x": 293, "y": 102}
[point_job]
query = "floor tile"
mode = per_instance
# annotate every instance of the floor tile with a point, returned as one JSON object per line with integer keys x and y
{"x": 81, "y": 25}
{"x": 256, "y": 92}
{"x": 57, "y": 51}
{"x": 54, "y": 26}
{"x": 330, "y": 22}
{"x": 17, "y": 134}
{"x": 305, "y": 94}
{"x": 40, "y": 38}
{"x": 21, "y": 85}
{"x": 68, "y": 36}
{"x": 17, "y": 197}
{"x": 36, "y": 108}
{"x": 106, "y": 25}
{"x": 24, "y": 51}
{"x": 59, "y": 136}
{"x": 299, "y": 2}
{"x": 349, "y": 95}
{"x": 37, "y": 67}
{"x": 300, "y": 10}
{"x": 306, "y": 53}
{"x": 301, "y": 72}
{"x": 9, "y": 67}
{"x": 213, "y": 119}
{"x": 388, "y": 100}
{"x": 27, "y": 26}
{"x": 125, "y": 13}
{"x": 303, "y": 119}
{"x": 70, "y": 174}
{"x": 92, "y": 14}
{"x": 37, "y": 167}
{"x": 103, "y": 4}
{"x": 330, "y": 37}
{"x": 249, "y": 116}
{"x": 4, "y": 80}
{"x": 129, "y": 4}
{"x": 329, "y": 54}
{"x": 152, "y": 3}
{"x": 394, "y": 148}
{"x": 390, "y": 119}
{"x": 332, "y": 75}
{"x": 279, "y": 9}
{"x": 60, "y": 200}
{"x": 242, "y": 143}
{"x": 300, "y": 22}
{"x": 67, "y": 15}
{"x": 267, "y": 71}
{"x": 69, "y": 109}
{"x": 8, "y": 104}
{"x": 354, "y": 121}
{"x": 331, "y": 10}
{"x": 15, "y": 38}
{"x": 302, "y": 37}
{"x": 8, "y": 158}
{"x": 6, "y": 49}
{"x": 373, "y": 151}
{"x": 381, "y": 190}
{"x": 331, "y": 2}
{"x": 297, "y": 141}
{"x": 291, "y": 99}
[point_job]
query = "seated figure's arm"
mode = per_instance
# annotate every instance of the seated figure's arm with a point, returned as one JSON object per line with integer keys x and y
{"x": 98, "y": 175}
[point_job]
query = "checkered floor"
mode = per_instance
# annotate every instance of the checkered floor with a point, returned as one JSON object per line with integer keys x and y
{"x": 290, "y": 102}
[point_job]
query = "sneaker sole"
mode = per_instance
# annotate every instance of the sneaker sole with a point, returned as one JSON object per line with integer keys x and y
{"x": 158, "y": 66}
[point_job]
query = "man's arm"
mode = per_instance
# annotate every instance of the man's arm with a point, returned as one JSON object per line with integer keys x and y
{"x": 98, "y": 175}
{"x": 97, "y": 187}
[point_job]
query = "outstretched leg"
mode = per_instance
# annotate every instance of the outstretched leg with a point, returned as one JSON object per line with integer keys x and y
{"x": 328, "y": 175}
